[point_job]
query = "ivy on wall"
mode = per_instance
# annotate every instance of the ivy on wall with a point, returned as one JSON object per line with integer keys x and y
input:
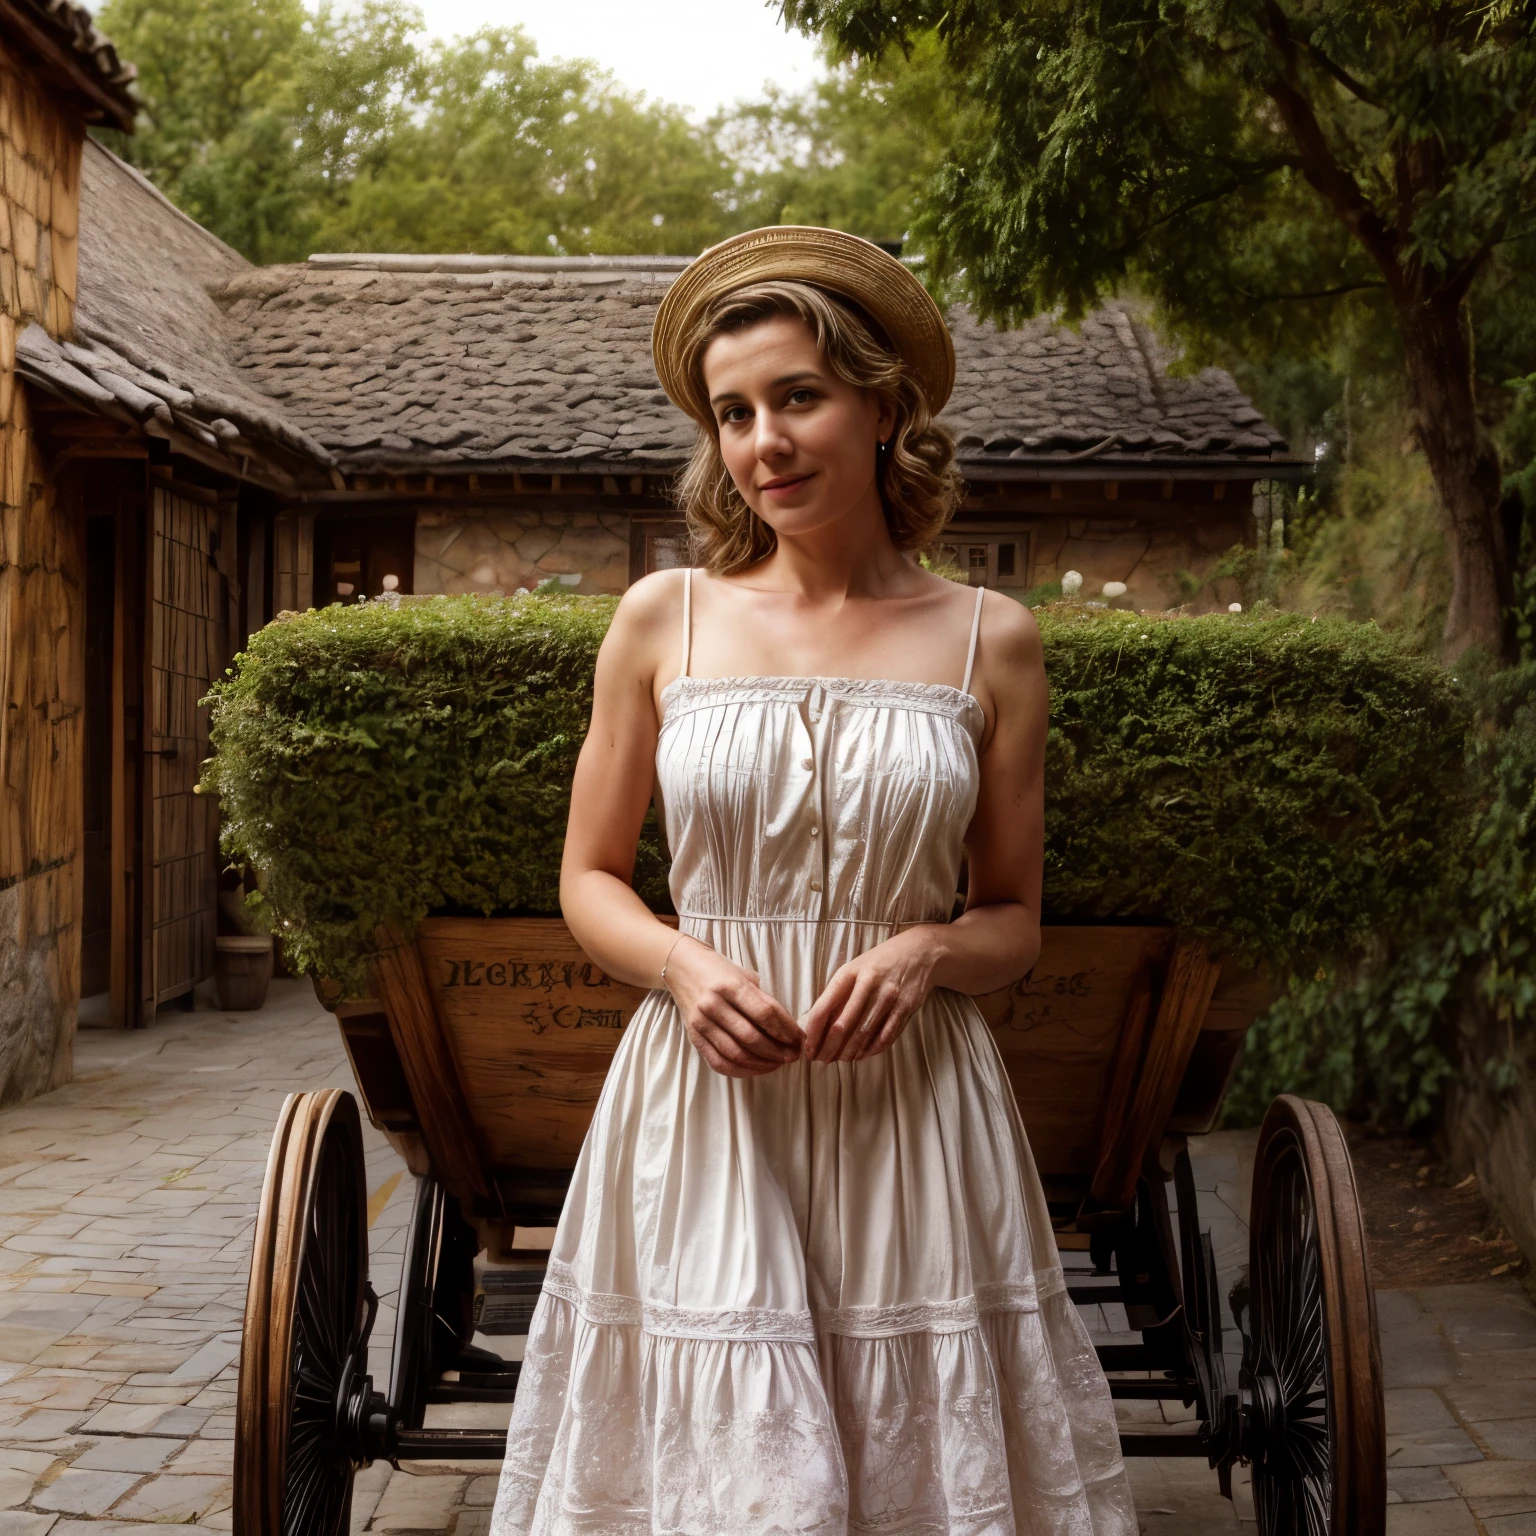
{"x": 1287, "y": 787}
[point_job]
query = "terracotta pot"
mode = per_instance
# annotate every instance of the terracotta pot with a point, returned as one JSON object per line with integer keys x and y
{"x": 242, "y": 967}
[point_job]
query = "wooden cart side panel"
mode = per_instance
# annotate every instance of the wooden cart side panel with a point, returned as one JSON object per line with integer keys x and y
{"x": 1241, "y": 995}
{"x": 1186, "y": 995}
{"x": 1059, "y": 1032}
{"x": 533, "y": 1024}
{"x": 447, "y": 1125}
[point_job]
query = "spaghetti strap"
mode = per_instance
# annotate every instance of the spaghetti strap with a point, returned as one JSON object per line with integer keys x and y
{"x": 970, "y": 655}
{"x": 688, "y": 619}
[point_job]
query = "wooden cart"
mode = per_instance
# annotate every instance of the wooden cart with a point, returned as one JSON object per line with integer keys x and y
{"x": 481, "y": 1060}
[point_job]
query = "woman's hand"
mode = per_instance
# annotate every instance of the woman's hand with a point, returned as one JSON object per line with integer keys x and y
{"x": 868, "y": 1002}
{"x": 734, "y": 1025}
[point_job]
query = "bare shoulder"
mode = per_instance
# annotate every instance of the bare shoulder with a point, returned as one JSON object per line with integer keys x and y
{"x": 651, "y": 609}
{"x": 643, "y": 638}
{"x": 1009, "y": 680}
{"x": 1010, "y": 639}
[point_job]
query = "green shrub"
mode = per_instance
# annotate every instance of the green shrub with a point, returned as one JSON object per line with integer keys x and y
{"x": 1451, "y": 989}
{"x": 1285, "y": 787}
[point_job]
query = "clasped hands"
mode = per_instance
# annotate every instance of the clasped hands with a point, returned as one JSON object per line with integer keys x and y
{"x": 741, "y": 1031}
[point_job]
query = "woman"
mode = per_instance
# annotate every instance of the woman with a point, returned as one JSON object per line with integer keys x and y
{"x": 805, "y": 1279}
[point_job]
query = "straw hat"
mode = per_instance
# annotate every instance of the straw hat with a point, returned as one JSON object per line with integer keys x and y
{"x": 842, "y": 264}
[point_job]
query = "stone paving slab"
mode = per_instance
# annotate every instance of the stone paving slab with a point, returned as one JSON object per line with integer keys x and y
{"x": 127, "y": 1200}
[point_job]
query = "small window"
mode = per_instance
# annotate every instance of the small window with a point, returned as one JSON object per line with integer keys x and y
{"x": 989, "y": 562}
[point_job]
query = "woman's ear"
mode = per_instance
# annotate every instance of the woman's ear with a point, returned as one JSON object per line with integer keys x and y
{"x": 885, "y": 421}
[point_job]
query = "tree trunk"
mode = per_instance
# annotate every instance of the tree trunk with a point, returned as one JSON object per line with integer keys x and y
{"x": 1443, "y": 400}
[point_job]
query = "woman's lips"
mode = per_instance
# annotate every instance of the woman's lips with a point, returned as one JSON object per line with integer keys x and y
{"x": 783, "y": 484}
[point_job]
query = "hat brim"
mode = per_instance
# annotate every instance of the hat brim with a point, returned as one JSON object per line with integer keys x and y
{"x": 842, "y": 264}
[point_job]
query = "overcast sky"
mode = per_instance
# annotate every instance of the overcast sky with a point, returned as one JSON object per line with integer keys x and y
{"x": 701, "y": 54}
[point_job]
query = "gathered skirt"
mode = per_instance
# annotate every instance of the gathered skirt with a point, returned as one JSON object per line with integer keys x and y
{"x": 827, "y": 1300}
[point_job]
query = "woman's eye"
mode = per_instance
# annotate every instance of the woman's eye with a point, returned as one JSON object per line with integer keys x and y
{"x": 733, "y": 414}
{"x": 801, "y": 397}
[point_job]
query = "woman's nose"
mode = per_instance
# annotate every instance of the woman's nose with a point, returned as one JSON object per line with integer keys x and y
{"x": 772, "y": 441}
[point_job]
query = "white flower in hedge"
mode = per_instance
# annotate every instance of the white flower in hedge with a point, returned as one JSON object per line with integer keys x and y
{"x": 1114, "y": 589}
{"x": 1234, "y": 607}
{"x": 1071, "y": 583}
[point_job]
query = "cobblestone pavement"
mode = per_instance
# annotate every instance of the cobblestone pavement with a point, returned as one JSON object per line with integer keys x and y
{"x": 126, "y": 1206}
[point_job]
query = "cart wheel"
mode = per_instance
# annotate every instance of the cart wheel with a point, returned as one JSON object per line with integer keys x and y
{"x": 1315, "y": 1431}
{"x": 308, "y": 1313}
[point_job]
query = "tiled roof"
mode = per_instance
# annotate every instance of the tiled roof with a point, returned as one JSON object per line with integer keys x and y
{"x": 150, "y": 343}
{"x": 414, "y": 362}
{"x": 69, "y": 29}
{"x": 461, "y": 363}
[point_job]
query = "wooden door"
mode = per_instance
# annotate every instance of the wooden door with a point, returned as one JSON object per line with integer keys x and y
{"x": 186, "y": 650}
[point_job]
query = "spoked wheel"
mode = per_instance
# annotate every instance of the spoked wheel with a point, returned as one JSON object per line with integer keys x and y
{"x": 1312, "y": 1396}
{"x": 308, "y": 1313}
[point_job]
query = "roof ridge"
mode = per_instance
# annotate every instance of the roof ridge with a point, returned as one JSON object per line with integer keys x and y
{"x": 403, "y": 261}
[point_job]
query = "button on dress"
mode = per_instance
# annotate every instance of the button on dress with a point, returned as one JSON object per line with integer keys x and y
{"x": 826, "y": 1300}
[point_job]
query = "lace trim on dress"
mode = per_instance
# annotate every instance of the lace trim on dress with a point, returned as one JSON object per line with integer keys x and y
{"x": 594, "y": 1306}
{"x": 772, "y": 1324}
{"x": 764, "y": 1324}
{"x": 759, "y": 1324}
{"x": 942, "y": 1316}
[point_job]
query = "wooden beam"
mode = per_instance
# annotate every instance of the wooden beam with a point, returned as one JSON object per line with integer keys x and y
{"x": 1111, "y": 490}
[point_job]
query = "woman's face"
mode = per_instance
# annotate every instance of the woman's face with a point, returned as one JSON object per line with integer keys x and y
{"x": 798, "y": 441}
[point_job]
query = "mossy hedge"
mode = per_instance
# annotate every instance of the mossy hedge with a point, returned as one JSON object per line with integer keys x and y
{"x": 1286, "y": 786}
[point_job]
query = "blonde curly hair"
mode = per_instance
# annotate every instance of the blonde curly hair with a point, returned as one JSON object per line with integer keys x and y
{"x": 919, "y": 485}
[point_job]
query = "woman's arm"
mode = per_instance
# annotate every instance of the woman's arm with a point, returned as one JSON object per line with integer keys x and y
{"x": 868, "y": 1002}
{"x": 736, "y": 1026}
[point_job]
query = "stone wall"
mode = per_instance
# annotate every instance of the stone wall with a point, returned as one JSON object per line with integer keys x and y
{"x": 501, "y": 550}
{"x": 1150, "y": 549}
{"x": 1147, "y": 550}
{"x": 41, "y": 609}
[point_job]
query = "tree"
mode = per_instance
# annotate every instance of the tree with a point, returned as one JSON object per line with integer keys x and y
{"x": 259, "y": 112}
{"x": 1241, "y": 160}
{"x": 286, "y": 131}
{"x": 852, "y": 151}
{"x": 502, "y": 152}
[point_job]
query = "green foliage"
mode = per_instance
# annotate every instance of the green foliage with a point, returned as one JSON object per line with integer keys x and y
{"x": 259, "y": 112}
{"x": 1169, "y": 144}
{"x": 1452, "y": 986}
{"x": 501, "y": 152}
{"x": 852, "y": 151}
{"x": 376, "y": 762}
{"x": 286, "y": 131}
{"x": 1279, "y": 785}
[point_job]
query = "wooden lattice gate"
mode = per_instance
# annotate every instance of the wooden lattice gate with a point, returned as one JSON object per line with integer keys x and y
{"x": 187, "y": 647}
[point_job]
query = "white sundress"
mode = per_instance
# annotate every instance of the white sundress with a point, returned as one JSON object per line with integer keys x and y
{"x": 826, "y": 1300}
